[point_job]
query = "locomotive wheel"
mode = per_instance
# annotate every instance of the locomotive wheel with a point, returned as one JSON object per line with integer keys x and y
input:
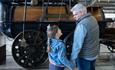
{"x": 69, "y": 41}
{"x": 29, "y": 49}
{"x": 109, "y": 44}
{"x": 111, "y": 49}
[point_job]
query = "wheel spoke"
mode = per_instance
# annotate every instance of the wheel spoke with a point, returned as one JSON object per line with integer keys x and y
{"x": 30, "y": 51}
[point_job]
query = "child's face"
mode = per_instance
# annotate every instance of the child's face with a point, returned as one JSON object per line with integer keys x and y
{"x": 59, "y": 33}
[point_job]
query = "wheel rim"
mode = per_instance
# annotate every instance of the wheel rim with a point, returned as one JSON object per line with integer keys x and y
{"x": 30, "y": 51}
{"x": 111, "y": 49}
{"x": 69, "y": 41}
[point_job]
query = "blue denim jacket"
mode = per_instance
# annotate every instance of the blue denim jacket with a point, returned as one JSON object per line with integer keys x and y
{"x": 57, "y": 55}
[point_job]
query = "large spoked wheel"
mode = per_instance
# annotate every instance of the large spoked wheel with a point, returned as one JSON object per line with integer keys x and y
{"x": 29, "y": 49}
{"x": 110, "y": 45}
{"x": 111, "y": 49}
{"x": 69, "y": 41}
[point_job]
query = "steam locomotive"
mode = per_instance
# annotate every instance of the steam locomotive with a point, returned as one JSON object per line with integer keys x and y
{"x": 26, "y": 22}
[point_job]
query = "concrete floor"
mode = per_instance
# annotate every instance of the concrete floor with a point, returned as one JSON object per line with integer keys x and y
{"x": 105, "y": 61}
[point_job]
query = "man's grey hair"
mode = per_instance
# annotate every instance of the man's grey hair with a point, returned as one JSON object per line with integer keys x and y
{"x": 79, "y": 7}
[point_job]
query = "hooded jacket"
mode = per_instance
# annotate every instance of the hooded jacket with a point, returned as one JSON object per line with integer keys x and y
{"x": 57, "y": 55}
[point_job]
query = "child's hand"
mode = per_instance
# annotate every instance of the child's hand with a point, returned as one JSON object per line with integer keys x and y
{"x": 48, "y": 49}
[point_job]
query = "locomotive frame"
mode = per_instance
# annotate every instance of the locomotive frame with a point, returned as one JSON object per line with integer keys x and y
{"x": 29, "y": 46}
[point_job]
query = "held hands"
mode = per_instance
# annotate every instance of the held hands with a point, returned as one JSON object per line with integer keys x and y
{"x": 74, "y": 68}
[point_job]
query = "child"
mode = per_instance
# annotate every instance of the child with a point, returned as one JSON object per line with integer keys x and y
{"x": 56, "y": 50}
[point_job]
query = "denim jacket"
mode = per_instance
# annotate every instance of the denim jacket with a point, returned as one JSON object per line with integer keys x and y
{"x": 57, "y": 55}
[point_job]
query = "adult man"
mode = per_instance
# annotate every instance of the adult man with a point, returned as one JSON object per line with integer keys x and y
{"x": 86, "y": 38}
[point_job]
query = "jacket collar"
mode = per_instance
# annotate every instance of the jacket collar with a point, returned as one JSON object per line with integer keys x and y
{"x": 81, "y": 18}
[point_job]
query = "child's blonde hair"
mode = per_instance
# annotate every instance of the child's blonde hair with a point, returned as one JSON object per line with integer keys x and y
{"x": 52, "y": 30}
{"x": 51, "y": 33}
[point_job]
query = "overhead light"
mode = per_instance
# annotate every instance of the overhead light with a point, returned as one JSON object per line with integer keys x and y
{"x": 98, "y": 0}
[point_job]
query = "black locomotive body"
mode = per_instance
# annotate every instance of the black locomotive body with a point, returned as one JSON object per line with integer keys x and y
{"x": 27, "y": 24}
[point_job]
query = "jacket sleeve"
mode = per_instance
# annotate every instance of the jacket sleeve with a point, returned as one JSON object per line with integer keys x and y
{"x": 79, "y": 35}
{"x": 63, "y": 59}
